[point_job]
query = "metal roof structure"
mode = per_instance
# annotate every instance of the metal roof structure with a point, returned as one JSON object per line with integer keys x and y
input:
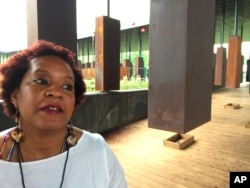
{"x": 232, "y": 18}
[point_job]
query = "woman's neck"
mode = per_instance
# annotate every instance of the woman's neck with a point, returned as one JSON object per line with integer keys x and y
{"x": 41, "y": 145}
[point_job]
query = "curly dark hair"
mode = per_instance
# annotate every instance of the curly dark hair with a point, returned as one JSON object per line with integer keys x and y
{"x": 14, "y": 69}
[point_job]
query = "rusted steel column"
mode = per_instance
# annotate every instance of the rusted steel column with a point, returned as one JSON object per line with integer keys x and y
{"x": 234, "y": 62}
{"x": 107, "y": 49}
{"x": 220, "y": 67}
{"x": 241, "y": 69}
{"x": 52, "y": 20}
{"x": 248, "y": 71}
{"x": 139, "y": 67}
{"x": 129, "y": 66}
{"x": 181, "y": 60}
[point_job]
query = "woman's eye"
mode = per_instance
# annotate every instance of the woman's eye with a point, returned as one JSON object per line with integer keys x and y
{"x": 68, "y": 87}
{"x": 41, "y": 81}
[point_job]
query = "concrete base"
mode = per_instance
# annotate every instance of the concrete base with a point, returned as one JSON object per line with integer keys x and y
{"x": 232, "y": 106}
{"x": 247, "y": 125}
{"x": 179, "y": 141}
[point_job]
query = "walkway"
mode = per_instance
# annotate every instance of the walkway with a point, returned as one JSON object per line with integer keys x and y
{"x": 221, "y": 145}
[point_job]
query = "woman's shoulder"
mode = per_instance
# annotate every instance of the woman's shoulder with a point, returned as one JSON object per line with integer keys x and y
{"x": 92, "y": 141}
{"x": 93, "y": 137}
{"x": 87, "y": 135}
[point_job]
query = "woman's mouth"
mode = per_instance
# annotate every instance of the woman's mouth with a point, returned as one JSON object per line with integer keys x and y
{"x": 52, "y": 108}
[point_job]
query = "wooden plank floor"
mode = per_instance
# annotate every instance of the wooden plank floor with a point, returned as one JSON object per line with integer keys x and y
{"x": 221, "y": 145}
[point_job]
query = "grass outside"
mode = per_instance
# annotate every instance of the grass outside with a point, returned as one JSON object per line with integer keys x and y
{"x": 125, "y": 84}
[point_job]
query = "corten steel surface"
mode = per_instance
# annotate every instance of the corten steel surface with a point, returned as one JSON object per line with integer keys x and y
{"x": 181, "y": 58}
{"x": 107, "y": 48}
{"x": 128, "y": 64}
{"x": 248, "y": 71}
{"x": 52, "y": 20}
{"x": 220, "y": 67}
{"x": 139, "y": 67}
{"x": 234, "y": 62}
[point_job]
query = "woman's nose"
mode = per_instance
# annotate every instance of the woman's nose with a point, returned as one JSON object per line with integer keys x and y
{"x": 53, "y": 92}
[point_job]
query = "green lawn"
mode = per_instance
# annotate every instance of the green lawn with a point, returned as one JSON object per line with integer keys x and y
{"x": 125, "y": 84}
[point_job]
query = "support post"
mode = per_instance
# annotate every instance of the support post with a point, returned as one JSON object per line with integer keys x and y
{"x": 54, "y": 21}
{"x": 220, "y": 67}
{"x": 181, "y": 59}
{"x": 107, "y": 50}
{"x": 139, "y": 67}
{"x": 234, "y": 63}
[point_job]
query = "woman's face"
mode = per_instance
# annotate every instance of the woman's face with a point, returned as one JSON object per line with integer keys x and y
{"x": 45, "y": 98}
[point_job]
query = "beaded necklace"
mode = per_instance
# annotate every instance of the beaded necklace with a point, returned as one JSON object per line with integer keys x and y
{"x": 17, "y": 136}
{"x": 4, "y": 144}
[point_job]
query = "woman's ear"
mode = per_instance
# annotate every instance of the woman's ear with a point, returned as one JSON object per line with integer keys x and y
{"x": 14, "y": 98}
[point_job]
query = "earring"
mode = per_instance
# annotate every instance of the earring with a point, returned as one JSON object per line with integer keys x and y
{"x": 71, "y": 139}
{"x": 17, "y": 117}
{"x": 17, "y": 134}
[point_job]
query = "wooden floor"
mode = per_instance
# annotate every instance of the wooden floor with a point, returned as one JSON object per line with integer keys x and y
{"x": 221, "y": 145}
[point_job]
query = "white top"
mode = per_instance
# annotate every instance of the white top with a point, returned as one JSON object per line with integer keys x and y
{"x": 91, "y": 164}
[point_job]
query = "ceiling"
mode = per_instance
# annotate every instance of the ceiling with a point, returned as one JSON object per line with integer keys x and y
{"x": 228, "y": 26}
{"x": 228, "y": 9}
{"x": 243, "y": 26}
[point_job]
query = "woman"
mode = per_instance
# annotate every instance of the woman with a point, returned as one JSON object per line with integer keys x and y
{"x": 41, "y": 88}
